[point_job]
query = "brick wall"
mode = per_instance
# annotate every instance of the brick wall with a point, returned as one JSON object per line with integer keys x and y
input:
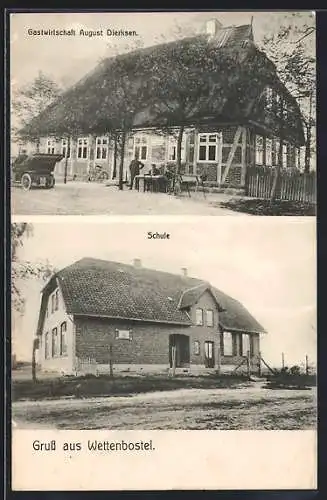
{"x": 149, "y": 344}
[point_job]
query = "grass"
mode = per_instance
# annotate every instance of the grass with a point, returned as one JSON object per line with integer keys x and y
{"x": 91, "y": 386}
{"x": 291, "y": 381}
{"x": 256, "y": 206}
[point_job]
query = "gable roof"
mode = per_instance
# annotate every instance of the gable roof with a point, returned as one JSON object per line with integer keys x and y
{"x": 93, "y": 287}
{"x": 84, "y": 107}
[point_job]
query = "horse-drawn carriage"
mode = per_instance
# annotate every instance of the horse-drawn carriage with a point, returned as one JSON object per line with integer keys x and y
{"x": 35, "y": 170}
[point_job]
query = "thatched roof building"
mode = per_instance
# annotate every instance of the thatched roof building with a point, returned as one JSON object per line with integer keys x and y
{"x": 239, "y": 73}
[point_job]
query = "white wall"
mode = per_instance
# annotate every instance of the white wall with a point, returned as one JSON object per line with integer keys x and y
{"x": 57, "y": 363}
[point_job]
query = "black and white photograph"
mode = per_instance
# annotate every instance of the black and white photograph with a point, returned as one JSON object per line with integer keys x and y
{"x": 160, "y": 337}
{"x": 181, "y": 113}
{"x": 204, "y": 330}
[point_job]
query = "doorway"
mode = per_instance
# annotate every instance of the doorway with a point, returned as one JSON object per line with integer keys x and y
{"x": 209, "y": 354}
{"x": 179, "y": 349}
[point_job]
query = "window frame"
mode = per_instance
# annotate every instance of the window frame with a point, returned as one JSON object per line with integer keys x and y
{"x": 172, "y": 144}
{"x": 225, "y": 333}
{"x": 259, "y": 151}
{"x": 46, "y": 345}
{"x": 211, "y": 323}
{"x": 83, "y": 143}
{"x": 243, "y": 350}
{"x": 101, "y": 146}
{"x": 207, "y": 143}
{"x": 269, "y": 98}
{"x": 196, "y": 348}
{"x": 140, "y": 142}
{"x": 65, "y": 147}
{"x": 51, "y": 145}
{"x": 198, "y": 321}
{"x": 61, "y": 352}
{"x": 285, "y": 154}
{"x": 124, "y": 336}
{"x": 269, "y": 151}
{"x": 54, "y": 342}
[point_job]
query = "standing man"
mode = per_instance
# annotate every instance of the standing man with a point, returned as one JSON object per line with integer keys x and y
{"x": 134, "y": 168}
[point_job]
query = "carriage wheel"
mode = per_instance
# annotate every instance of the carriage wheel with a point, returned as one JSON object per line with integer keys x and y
{"x": 50, "y": 182}
{"x": 26, "y": 182}
{"x": 104, "y": 176}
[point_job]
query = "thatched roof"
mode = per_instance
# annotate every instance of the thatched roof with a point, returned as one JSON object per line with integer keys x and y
{"x": 98, "y": 288}
{"x": 240, "y": 72}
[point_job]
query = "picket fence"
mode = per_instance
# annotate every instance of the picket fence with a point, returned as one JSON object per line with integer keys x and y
{"x": 293, "y": 186}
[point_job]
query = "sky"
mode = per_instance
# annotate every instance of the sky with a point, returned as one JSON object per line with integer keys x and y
{"x": 266, "y": 263}
{"x": 67, "y": 59}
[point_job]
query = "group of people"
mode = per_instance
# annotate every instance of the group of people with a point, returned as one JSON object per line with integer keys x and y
{"x": 136, "y": 166}
{"x": 166, "y": 172}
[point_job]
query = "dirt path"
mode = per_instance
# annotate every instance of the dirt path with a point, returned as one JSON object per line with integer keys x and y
{"x": 78, "y": 198}
{"x": 248, "y": 408}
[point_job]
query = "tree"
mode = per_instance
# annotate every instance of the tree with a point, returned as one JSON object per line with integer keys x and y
{"x": 29, "y": 101}
{"x": 292, "y": 50}
{"x": 21, "y": 271}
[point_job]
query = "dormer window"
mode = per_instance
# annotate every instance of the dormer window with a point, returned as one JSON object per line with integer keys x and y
{"x": 269, "y": 95}
{"x": 209, "y": 317}
{"x": 55, "y": 301}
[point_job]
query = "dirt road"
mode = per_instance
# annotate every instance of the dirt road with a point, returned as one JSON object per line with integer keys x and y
{"x": 188, "y": 409}
{"x": 82, "y": 198}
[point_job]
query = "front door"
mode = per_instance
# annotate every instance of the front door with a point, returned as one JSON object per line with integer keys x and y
{"x": 179, "y": 350}
{"x": 209, "y": 356}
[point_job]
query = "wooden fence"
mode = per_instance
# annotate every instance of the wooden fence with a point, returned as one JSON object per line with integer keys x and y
{"x": 293, "y": 185}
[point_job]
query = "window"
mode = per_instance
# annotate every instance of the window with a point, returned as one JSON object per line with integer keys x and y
{"x": 101, "y": 148}
{"x": 65, "y": 148}
{"x": 141, "y": 148}
{"x": 208, "y": 147}
{"x": 196, "y": 347}
{"x": 209, "y": 317}
{"x": 55, "y": 342}
{"x": 172, "y": 149}
{"x": 124, "y": 334}
{"x": 246, "y": 344}
{"x": 285, "y": 155}
{"x": 82, "y": 148}
{"x": 51, "y": 146}
{"x": 276, "y": 152}
{"x": 268, "y": 152}
{"x": 259, "y": 150}
{"x": 269, "y": 98}
{"x": 46, "y": 346}
{"x": 199, "y": 317}
{"x": 228, "y": 344}
{"x": 63, "y": 339}
{"x": 55, "y": 301}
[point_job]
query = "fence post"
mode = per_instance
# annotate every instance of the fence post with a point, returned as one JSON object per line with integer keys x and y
{"x": 218, "y": 360}
{"x": 259, "y": 367}
{"x": 111, "y": 371}
{"x": 173, "y": 355}
{"x": 306, "y": 365}
{"x": 248, "y": 364}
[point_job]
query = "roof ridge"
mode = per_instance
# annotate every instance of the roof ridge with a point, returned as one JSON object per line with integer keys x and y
{"x": 131, "y": 266}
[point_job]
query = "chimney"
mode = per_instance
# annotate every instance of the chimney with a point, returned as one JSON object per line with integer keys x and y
{"x": 137, "y": 263}
{"x": 212, "y": 27}
{"x": 184, "y": 271}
